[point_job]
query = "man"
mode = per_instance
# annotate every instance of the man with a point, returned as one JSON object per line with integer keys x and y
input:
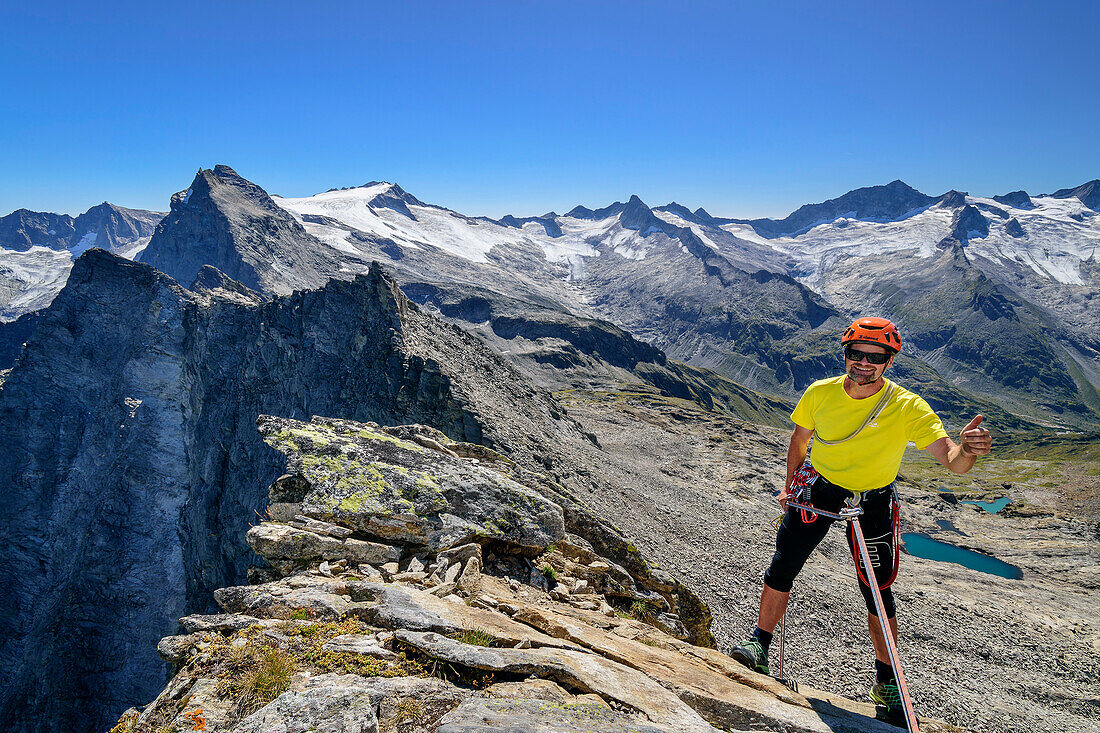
{"x": 860, "y": 423}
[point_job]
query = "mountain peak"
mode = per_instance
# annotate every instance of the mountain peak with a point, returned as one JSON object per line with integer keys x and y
{"x": 1088, "y": 194}
{"x": 889, "y": 202}
{"x": 393, "y": 197}
{"x": 969, "y": 223}
{"x": 229, "y": 222}
{"x": 953, "y": 199}
{"x": 23, "y": 229}
{"x": 1015, "y": 199}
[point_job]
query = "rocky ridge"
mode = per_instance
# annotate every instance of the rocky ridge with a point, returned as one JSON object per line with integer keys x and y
{"x": 383, "y": 610}
{"x": 133, "y": 405}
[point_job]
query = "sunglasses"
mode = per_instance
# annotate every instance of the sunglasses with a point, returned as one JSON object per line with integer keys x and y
{"x": 853, "y": 355}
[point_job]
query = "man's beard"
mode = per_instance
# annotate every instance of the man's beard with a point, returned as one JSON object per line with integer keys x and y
{"x": 861, "y": 379}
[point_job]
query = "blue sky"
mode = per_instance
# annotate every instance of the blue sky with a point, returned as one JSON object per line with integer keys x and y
{"x": 745, "y": 108}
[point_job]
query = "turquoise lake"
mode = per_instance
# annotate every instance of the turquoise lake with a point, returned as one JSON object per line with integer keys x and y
{"x": 924, "y": 546}
{"x": 992, "y": 506}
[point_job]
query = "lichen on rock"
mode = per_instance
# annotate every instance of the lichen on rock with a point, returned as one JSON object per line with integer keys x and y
{"x": 395, "y": 489}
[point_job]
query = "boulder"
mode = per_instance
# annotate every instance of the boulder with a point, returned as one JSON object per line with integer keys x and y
{"x": 470, "y": 578}
{"x": 398, "y": 490}
{"x": 176, "y": 649}
{"x": 283, "y": 542}
{"x": 460, "y": 554}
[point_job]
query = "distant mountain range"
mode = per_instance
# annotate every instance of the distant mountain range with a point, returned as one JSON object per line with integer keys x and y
{"x": 37, "y": 249}
{"x": 996, "y": 296}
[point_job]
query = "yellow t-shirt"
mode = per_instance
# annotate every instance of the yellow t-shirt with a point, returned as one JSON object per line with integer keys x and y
{"x": 871, "y": 459}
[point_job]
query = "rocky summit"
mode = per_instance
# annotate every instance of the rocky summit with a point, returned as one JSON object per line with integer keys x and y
{"x": 416, "y": 584}
{"x": 232, "y": 224}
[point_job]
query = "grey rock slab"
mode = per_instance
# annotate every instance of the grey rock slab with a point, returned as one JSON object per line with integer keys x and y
{"x": 409, "y": 577}
{"x": 284, "y": 542}
{"x": 452, "y": 573}
{"x": 722, "y": 691}
{"x": 323, "y": 708}
{"x": 281, "y": 602}
{"x": 301, "y": 521}
{"x": 532, "y": 688}
{"x": 461, "y": 553}
{"x": 481, "y": 715}
{"x": 365, "y": 644}
{"x": 217, "y": 622}
{"x": 579, "y": 670}
{"x": 332, "y": 703}
{"x": 403, "y": 607}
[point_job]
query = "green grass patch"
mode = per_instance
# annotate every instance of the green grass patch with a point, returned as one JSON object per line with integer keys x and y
{"x": 475, "y": 637}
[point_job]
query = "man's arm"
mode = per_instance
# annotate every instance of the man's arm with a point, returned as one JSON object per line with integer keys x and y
{"x": 959, "y": 458}
{"x": 796, "y": 456}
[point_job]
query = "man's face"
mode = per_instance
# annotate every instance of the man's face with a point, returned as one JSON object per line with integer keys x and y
{"x": 863, "y": 371}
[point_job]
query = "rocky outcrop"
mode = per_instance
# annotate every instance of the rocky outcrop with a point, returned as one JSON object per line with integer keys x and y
{"x": 414, "y": 487}
{"x": 322, "y": 649}
{"x": 1015, "y": 199}
{"x": 968, "y": 223}
{"x": 133, "y": 464}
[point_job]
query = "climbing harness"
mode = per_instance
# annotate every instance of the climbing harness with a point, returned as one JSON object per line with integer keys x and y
{"x": 895, "y": 528}
{"x": 850, "y": 513}
{"x": 887, "y": 393}
{"x": 801, "y": 484}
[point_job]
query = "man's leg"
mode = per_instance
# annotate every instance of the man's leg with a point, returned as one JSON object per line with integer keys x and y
{"x": 881, "y": 654}
{"x": 878, "y": 529}
{"x": 793, "y": 544}
{"x": 773, "y": 604}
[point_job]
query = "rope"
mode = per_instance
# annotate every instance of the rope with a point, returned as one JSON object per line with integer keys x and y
{"x": 887, "y": 393}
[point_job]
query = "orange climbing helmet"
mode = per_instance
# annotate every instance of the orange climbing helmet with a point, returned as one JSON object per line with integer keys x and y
{"x": 873, "y": 331}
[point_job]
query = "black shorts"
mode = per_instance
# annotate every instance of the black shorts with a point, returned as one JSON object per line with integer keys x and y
{"x": 797, "y": 538}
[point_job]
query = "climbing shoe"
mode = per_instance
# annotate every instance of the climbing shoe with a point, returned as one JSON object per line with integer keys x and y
{"x": 752, "y": 655}
{"x": 887, "y": 699}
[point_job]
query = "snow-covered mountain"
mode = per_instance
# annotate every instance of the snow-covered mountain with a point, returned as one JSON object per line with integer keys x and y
{"x": 37, "y": 249}
{"x": 995, "y": 295}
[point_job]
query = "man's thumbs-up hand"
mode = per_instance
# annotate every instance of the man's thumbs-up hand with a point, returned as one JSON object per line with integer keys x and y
{"x": 976, "y": 440}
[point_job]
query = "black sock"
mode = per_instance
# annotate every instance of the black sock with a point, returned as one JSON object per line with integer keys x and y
{"x": 763, "y": 637}
{"x": 883, "y": 672}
